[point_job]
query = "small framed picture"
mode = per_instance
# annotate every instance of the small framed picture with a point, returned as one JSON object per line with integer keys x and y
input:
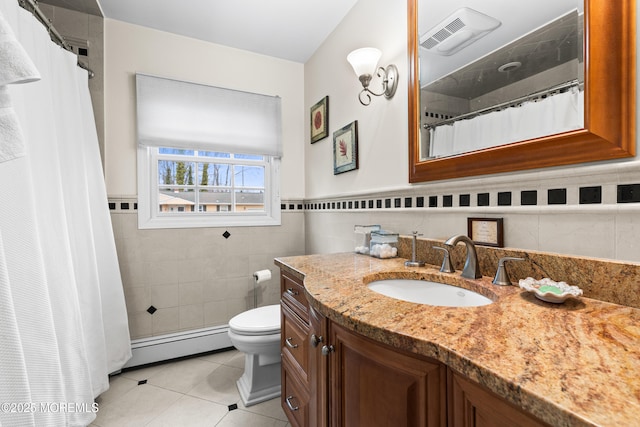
{"x": 345, "y": 148}
{"x": 319, "y": 124}
{"x": 486, "y": 231}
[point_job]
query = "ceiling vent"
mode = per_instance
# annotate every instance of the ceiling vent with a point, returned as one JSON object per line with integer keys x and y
{"x": 457, "y": 31}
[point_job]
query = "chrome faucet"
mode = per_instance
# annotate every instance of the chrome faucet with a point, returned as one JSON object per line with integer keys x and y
{"x": 446, "y": 266}
{"x": 471, "y": 268}
{"x": 502, "y": 278}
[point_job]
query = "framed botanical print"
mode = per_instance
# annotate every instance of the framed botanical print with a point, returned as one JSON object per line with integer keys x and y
{"x": 320, "y": 120}
{"x": 345, "y": 148}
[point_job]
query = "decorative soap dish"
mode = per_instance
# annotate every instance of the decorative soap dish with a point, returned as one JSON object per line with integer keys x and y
{"x": 550, "y": 291}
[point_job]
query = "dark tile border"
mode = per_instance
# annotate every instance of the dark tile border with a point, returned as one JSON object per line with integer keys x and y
{"x": 587, "y": 195}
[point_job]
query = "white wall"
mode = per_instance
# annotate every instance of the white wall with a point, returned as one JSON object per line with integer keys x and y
{"x": 195, "y": 278}
{"x": 130, "y": 49}
{"x": 383, "y": 129}
{"x": 606, "y": 230}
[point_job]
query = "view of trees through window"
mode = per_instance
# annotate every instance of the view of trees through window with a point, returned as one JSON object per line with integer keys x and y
{"x": 204, "y": 181}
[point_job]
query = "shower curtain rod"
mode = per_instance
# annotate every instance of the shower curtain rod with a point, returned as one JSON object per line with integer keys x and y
{"x": 549, "y": 91}
{"x": 32, "y": 6}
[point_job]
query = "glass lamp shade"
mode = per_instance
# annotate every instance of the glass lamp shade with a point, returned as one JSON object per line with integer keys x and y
{"x": 364, "y": 60}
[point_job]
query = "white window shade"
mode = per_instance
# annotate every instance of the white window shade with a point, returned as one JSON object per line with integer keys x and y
{"x": 178, "y": 114}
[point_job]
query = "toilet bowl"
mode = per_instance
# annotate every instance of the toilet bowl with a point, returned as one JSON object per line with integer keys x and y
{"x": 256, "y": 333}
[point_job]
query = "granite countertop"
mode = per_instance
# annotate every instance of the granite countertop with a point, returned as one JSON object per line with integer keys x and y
{"x": 570, "y": 364}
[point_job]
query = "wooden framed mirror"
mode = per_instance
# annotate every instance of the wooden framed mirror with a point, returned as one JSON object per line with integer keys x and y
{"x": 609, "y": 105}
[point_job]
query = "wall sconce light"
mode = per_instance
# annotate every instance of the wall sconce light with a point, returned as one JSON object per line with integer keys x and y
{"x": 364, "y": 62}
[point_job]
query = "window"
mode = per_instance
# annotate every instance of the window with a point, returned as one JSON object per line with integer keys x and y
{"x": 199, "y": 163}
{"x": 190, "y": 188}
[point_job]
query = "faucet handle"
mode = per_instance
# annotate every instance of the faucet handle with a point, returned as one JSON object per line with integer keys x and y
{"x": 502, "y": 278}
{"x": 446, "y": 267}
{"x": 414, "y": 262}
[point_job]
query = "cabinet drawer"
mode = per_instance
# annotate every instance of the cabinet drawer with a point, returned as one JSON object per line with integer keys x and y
{"x": 295, "y": 398}
{"x": 293, "y": 295}
{"x": 295, "y": 342}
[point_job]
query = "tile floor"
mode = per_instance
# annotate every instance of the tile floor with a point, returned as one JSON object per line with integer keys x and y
{"x": 188, "y": 392}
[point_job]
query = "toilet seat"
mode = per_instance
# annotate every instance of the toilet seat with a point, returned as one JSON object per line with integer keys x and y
{"x": 258, "y": 321}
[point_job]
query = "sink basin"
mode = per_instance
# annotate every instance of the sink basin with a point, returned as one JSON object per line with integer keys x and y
{"x": 426, "y": 292}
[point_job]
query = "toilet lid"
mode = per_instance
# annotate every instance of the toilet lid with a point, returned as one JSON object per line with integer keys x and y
{"x": 261, "y": 320}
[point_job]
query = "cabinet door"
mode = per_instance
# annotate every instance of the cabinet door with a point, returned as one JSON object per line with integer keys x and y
{"x": 375, "y": 385}
{"x": 471, "y": 405}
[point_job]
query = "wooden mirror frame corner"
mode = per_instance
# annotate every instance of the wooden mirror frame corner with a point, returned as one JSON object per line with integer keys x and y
{"x": 610, "y": 105}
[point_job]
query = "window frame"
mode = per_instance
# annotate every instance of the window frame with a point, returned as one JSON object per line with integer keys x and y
{"x": 150, "y": 218}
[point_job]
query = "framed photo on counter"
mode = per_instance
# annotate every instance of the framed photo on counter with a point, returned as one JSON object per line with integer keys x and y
{"x": 486, "y": 231}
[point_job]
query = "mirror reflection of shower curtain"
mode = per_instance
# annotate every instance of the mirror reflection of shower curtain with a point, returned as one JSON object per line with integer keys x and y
{"x": 62, "y": 314}
{"x": 555, "y": 114}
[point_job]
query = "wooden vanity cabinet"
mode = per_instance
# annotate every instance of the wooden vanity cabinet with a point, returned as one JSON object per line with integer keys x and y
{"x": 471, "y": 405}
{"x": 372, "y": 384}
{"x": 304, "y": 377}
{"x": 334, "y": 377}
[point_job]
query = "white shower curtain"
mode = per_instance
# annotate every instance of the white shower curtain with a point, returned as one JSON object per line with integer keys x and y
{"x": 63, "y": 321}
{"x": 554, "y": 114}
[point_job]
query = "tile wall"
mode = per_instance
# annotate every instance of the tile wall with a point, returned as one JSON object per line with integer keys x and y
{"x": 183, "y": 279}
{"x": 587, "y": 211}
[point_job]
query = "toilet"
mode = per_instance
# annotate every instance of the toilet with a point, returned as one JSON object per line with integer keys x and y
{"x": 256, "y": 333}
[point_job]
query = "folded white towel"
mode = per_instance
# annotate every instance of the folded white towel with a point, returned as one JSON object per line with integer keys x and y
{"x": 11, "y": 137}
{"x": 15, "y": 65}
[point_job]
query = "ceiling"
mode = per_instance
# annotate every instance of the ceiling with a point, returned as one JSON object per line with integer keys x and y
{"x": 517, "y": 19}
{"x": 90, "y": 7}
{"x": 294, "y": 29}
{"x": 548, "y": 47}
{"x": 287, "y": 29}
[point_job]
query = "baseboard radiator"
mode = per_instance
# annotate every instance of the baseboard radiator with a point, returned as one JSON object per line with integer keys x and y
{"x": 180, "y": 344}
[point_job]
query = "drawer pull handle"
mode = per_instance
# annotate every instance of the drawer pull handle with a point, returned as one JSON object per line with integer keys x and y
{"x": 288, "y": 400}
{"x": 290, "y": 291}
{"x": 315, "y": 340}
{"x": 288, "y": 342}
